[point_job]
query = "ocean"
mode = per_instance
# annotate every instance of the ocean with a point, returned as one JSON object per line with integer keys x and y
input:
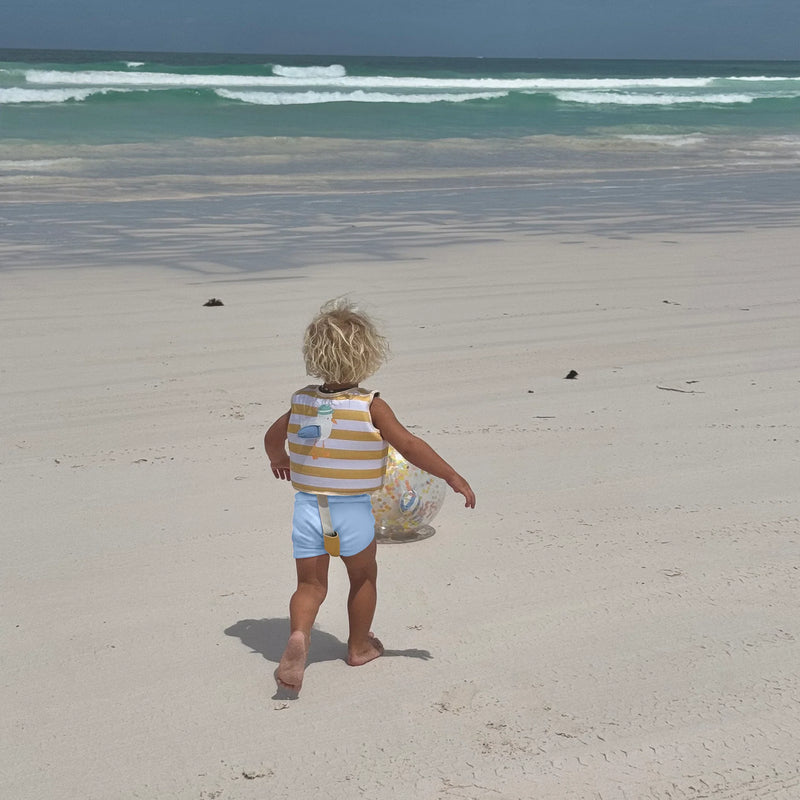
{"x": 90, "y": 97}
{"x": 105, "y": 157}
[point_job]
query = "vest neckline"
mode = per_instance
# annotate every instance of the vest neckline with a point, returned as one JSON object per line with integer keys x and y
{"x": 323, "y": 393}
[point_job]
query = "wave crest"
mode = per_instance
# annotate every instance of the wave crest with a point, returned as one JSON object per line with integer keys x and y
{"x": 611, "y": 98}
{"x": 332, "y": 71}
{"x": 141, "y": 78}
{"x": 358, "y": 96}
{"x": 16, "y": 95}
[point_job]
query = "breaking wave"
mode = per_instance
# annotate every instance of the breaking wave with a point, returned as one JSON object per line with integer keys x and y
{"x": 610, "y": 98}
{"x": 357, "y": 96}
{"x": 17, "y": 95}
{"x": 333, "y": 71}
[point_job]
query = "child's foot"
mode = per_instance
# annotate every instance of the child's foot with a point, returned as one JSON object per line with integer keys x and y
{"x": 356, "y": 656}
{"x": 290, "y": 671}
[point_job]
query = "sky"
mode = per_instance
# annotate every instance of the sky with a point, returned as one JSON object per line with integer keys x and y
{"x": 694, "y": 29}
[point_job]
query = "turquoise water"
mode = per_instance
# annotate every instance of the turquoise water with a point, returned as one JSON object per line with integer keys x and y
{"x": 89, "y": 97}
{"x": 139, "y": 159}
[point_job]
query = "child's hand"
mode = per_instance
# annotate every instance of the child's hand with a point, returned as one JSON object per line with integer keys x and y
{"x": 280, "y": 469}
{"x": 275, "y": 445}
{"x": 458, "y": 484}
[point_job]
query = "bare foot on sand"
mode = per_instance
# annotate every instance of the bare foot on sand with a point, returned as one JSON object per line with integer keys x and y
{"x": 290, "y": 671}
{"x": 356, "y": 656}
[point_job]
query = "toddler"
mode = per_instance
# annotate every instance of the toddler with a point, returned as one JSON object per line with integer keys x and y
{"x": 338, "y": 435}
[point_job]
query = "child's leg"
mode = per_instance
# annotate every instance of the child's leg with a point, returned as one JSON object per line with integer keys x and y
{"x": 312, "y": 586}
{"x": 362, "y": 569}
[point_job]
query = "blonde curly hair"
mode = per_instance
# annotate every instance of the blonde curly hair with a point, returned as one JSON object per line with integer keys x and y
{"x": 342, "y": 344}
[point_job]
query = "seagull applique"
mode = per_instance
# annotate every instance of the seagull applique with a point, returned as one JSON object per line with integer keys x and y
{"x": 321, "y": 430}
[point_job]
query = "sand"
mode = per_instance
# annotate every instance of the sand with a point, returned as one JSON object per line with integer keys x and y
{"x": 618, "y": 617}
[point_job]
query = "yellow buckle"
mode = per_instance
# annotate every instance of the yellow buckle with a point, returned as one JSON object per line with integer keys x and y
{"x": 331, "y": 543}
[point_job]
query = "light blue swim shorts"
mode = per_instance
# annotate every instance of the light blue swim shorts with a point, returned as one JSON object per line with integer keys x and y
{"x": 351, "y": 516}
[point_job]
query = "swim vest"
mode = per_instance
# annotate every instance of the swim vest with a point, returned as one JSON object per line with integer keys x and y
{"x": 333, "y": 446}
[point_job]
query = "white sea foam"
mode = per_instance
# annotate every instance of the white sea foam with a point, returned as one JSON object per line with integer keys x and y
{"x": 119, "y": 78}
{"x": 759, "y": 78}
{"x": 33, "y": 165}
{"x": 134, "y": 64}
{"x": 612, "y": 98}
{"x": 358, "y": 96}
{"x": 330, "y": 84}
{"x": 672, "y": 140}
{"x": 333, "y": 71}
{"x": 17, "y": 95}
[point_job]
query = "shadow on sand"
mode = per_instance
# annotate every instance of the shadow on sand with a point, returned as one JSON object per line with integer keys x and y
{"x": 267, "y": 637}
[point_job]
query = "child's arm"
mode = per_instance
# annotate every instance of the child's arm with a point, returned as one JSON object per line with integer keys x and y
{"x": 275, "y": 445}
{"x": 417, "y": 451}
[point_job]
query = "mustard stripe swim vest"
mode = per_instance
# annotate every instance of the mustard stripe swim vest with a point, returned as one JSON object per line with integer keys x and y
{"x": 333, "y": 446}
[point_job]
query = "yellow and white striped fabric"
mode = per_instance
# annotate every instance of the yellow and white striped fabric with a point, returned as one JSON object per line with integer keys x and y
{"x": 349, "y": 457}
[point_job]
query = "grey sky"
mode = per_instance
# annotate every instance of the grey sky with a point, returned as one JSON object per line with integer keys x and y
{"x": 758, "y": 29}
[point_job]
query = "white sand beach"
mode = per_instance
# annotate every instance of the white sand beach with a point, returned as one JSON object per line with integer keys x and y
{"x": 618, "y": 617}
